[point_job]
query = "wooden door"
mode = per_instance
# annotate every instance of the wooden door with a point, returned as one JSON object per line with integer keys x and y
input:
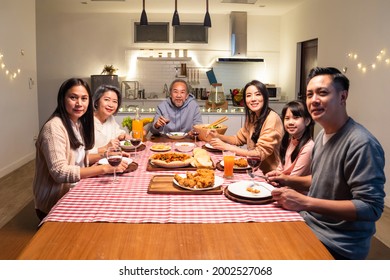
{"x": 308, "y": 50}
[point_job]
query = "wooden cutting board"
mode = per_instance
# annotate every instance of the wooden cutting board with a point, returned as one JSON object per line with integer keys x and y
{"x": 151, "y": 167}
{"x": 163, "y": 184}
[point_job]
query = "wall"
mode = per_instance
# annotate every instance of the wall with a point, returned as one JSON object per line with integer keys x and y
{"x": 343, "y": 27}
{"x": 18, "y": 106}
{"x": 81, "y": 44}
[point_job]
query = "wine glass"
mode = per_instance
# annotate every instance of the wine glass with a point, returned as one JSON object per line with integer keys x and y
{"x": 254, "y": 163}
{"x": 195, "y": 133}
{"x": 135, "y": 141}
{"x": 167, "y": 120}
{"x": 114, "y": 157}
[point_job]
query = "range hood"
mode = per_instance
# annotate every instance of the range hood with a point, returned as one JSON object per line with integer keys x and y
{"x": 238, "y": 39}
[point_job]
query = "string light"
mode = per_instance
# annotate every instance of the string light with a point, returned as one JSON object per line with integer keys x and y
{"x": 9, "y": 73}
{"x": 374, "y": 65}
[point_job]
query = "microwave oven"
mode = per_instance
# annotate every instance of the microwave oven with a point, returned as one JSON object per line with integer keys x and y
{"x": 274, "y": 93}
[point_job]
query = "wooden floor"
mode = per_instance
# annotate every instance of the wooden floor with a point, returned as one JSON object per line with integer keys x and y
{"x": 22, "y": 223}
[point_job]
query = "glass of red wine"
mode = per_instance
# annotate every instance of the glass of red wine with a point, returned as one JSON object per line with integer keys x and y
{"x": 114, "y": 157}
{"x": 135, "y": 141}
{"x": 254, "y": 163}
{"x": 195, "y": 133}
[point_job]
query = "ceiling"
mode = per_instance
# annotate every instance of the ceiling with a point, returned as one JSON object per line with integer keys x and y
{"x": 258, "y": 7}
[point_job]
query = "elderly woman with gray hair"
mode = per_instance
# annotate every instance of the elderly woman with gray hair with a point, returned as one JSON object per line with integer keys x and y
{"x": 106, "y": 103}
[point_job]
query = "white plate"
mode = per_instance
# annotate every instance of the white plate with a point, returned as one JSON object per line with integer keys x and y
{"x": 240, "y": 189}
{"x": 105, "y": 161}
{"x": 218, "y": 181}
{"x": 207, "y": 145}
{"x": 167, "y": 148}
{"x": 129, "y": 146}
{"x": 235, "y": 166}
{"x": 176, "y": 135}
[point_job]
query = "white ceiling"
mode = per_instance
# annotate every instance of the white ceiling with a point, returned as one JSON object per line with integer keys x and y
{"x": 260, "y": 7}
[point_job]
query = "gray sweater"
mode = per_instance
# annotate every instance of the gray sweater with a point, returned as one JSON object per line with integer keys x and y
{"x": 350, "y": 166}
{"x": 181, "y": 119}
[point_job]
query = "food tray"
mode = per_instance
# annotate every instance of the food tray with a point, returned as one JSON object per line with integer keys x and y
{"x": 163, "y": 184}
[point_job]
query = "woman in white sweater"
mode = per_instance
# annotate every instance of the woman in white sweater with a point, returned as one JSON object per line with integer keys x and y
{"x": 107, "y": 100}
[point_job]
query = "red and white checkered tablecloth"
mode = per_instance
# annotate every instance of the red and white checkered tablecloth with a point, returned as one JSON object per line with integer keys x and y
{"x": 97, "y": 200}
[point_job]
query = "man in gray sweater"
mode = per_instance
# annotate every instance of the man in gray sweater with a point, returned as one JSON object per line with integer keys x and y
{"x": 346, "y": 188}
{"x": 178, "y": 113}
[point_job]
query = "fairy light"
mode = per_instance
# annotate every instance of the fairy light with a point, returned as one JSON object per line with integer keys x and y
{"x": 11, "y": 74}
{"x": 373, "y": 65}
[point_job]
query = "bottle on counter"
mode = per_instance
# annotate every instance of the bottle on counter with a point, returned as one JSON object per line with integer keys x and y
{"x": 216, "y": 97}
{"x": 137, "y": 126}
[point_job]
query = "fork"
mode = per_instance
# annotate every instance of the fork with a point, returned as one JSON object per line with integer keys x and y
{"x": 252, "y": 175}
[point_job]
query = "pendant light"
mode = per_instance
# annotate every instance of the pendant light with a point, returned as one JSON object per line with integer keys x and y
{"x": 175, "y": 18}
{"x": 207, "y": 19}
{"x": 144, "y": 17}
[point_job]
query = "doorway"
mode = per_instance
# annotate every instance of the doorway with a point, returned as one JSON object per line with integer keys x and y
{"x": 306, "y": 61}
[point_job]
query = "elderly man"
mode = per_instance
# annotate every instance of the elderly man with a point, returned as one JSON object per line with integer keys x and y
{"x": 179, "y": 112}
{"x": 346, "y": 194}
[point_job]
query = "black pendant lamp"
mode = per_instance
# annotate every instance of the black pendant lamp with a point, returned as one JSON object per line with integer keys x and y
{"x": 144, "y": 17}
{"x": 207, "y": 19}
{"x": 175, "y": 18}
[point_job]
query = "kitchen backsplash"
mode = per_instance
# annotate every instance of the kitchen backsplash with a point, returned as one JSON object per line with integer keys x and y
{"x": 153, "y": 73}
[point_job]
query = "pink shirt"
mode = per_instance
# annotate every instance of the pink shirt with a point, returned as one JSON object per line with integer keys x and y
{"x": 301, "y": 164}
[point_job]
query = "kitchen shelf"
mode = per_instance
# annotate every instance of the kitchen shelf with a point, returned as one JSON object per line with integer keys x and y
{"x": 164, "y": 58}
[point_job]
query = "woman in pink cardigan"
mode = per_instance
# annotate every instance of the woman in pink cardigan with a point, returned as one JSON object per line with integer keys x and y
{"x": 62, "y": 147}
{"x": 262, "y": 131}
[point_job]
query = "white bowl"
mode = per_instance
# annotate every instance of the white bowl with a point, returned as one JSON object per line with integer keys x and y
{"x": 176, "y": 135}
{"x": 184, "y": 146}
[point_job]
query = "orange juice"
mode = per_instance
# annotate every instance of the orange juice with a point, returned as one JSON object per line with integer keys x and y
{"x": 228, "y": 163}
{"x": 138, "y": 126}
{"x": 137, "y": 134}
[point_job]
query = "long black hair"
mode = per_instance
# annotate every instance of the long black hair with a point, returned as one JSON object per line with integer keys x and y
{"x": 298, "y": 109}
{"x": 250, "y": 115}
{"x": 86, "y": 120}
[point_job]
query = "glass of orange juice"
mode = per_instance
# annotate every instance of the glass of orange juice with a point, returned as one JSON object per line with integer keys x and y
{"x": 228, "y": 163}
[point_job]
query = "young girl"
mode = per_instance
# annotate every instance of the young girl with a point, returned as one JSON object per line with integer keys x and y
{"x": 62, "y": 147}
{"x": 262, "y": 131}
{"x": 297, "y": 143}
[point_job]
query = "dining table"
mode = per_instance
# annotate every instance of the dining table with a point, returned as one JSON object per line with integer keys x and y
{"x": 100, "y": 220}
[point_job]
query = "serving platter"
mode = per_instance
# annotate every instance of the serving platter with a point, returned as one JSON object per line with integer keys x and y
{"x": 163, "y": 184}
{"x": 218, "y": 181}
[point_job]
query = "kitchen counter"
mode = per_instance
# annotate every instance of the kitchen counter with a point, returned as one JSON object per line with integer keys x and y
{"x": 148, "y": 106}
